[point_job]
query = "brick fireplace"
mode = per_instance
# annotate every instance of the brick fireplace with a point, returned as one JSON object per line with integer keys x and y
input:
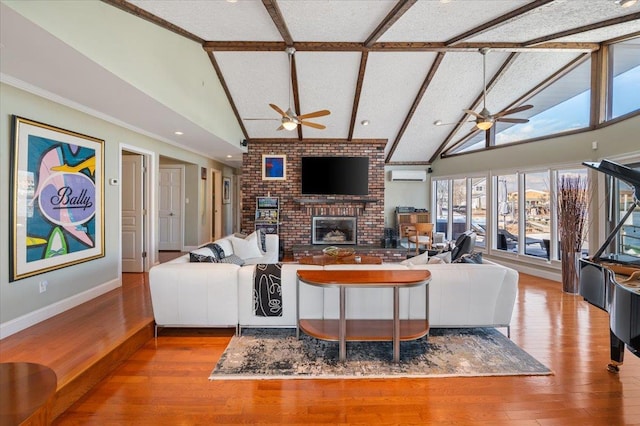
{"x": 297, "y": 211}
{"x": 333, "y": 230}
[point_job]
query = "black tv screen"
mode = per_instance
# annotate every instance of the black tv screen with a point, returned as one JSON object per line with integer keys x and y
{"x": 335, "y": 175}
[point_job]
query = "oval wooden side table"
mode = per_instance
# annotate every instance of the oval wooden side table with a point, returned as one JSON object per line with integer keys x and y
{"x": 27, "y": 393}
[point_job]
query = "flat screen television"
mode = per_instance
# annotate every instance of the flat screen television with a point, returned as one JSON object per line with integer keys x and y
{"x": 335, "y": 175}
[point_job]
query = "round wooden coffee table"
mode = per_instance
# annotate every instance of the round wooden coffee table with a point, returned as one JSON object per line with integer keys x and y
{"x": 323, "y": 259}
{"x": 27, "y": 392}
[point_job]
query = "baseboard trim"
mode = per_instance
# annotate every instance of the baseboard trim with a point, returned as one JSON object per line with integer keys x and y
{"x": 18, "y": 324}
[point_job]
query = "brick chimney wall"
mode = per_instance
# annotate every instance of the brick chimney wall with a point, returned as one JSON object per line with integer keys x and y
{"x": 295, "y": 209}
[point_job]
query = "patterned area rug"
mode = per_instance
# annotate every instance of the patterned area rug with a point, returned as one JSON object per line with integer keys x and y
{"x": 277, "y": 354}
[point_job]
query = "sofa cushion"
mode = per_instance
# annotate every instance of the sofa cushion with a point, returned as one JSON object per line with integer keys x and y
{"x": 233, "y": 259}
{"x": 203, "y": 255}
{"x": 444, "y": 257}
{"x": 246, "y": 248}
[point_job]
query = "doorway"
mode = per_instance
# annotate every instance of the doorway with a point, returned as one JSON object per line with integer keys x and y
{"x": 135, "y": 201}
{"x": 170, "y": 209}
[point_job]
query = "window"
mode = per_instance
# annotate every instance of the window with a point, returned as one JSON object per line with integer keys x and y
{"x": 560, "y": 107}
{"x": 479, "y": 209}
{"x": 442, "y": 207}
{"x": 507, "y": 216}
{"x": 624, "y": 63}
{"x": 537, "y": 206}
{"x": 459, "y": 207}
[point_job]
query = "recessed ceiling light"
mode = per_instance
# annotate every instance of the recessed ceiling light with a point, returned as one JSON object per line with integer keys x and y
{"x": 229, "y": 156}
{"x": 178, "y": 132}
{"x": 365, "y": 122}
{"x": 626, "y": 3}
{"x": 437, "y": 122}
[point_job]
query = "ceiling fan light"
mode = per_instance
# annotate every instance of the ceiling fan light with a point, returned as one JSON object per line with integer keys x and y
{"x": 288, "y": 124}
{"x": 484, "y": 125}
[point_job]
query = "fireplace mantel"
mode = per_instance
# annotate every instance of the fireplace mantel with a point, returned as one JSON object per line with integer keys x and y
{"x": 330, "y": 200}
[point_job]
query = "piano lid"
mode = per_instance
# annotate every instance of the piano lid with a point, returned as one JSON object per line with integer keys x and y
{"x": 632, "y": 177}
{"x": 620, "y": 171}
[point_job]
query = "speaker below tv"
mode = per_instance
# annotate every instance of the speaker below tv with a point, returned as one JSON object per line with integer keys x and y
{"x": 335, "y": 175}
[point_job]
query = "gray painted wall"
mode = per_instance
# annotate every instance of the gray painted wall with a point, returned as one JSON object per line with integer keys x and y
{"x": 22, "y": 297}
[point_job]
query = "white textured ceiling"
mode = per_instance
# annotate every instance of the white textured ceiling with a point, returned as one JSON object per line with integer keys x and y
{"x": 256, "y": 73}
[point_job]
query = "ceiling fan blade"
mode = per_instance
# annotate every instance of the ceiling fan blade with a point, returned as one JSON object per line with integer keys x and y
{"x": 514, "y": 110}
{"x": 513, "y": 120}
{"x": 314, "y": 125}
{"x": 475, "y": 114}
{"x": 315, "y": 114}
{"x": 456, "y": 122}
{"x": 280, "y": 128}
{"x": 278, "y": 110}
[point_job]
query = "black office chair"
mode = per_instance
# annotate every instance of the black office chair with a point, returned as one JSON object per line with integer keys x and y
{"x": 464, "y": 245}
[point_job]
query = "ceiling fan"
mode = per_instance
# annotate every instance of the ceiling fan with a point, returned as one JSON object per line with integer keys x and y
{"x": 484, "y": 119}
{"x": 289, "y": 120}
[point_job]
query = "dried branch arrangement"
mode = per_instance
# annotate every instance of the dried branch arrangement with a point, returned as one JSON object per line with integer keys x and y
{"x": 573, "y": 204}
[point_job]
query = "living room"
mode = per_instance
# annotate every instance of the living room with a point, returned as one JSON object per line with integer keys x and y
{"x": 24, "y": 304}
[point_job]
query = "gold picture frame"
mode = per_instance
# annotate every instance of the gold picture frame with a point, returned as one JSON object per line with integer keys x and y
{"x": 57, "y": 190}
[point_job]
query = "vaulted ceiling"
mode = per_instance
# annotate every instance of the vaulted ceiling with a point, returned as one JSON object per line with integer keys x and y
{"x": 400, "y": 65}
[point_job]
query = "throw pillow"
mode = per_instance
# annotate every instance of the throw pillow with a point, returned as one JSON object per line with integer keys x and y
{"x": 233, "y": 259}
{"x": 421, "y": 259}
{"x": 246, "y": 248}
{"x": 203, "y": 255}
{"x": 225, "y": 244}
{"x": 262, "y": 240}
{"x": 445, "y": 256}
{"x": 475, "y": 257}
{"x": 217, "y": 250}
{"x": 434, "y": 260}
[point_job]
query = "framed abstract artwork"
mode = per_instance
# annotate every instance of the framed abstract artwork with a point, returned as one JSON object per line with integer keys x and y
{"x": 226, "y": 190}
{"x": 274, "y": 167}
{"x": 57, "y": 208}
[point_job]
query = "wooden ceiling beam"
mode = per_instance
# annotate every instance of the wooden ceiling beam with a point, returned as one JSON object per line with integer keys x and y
{"x": 356, "y": 98}
{"x": 278, "y": 20}
{"x": 227, "y": 93}
{"x": 584, "y": 28}
{"x": 295, "y": 94}
{"x": 497, "y": 22}
{"x": 413, "y": 46}
{"x": 416, "y": 102}
{"x": 392, "y": 17}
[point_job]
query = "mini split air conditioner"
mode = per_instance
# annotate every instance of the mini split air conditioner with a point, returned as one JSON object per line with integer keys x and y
{"x": 408, "y": 175}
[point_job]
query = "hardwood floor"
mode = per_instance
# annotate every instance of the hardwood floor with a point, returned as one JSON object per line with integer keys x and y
{"x": 165, "y": 381}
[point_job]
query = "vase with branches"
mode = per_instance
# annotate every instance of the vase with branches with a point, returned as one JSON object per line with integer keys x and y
{"x": 573, "y": 204}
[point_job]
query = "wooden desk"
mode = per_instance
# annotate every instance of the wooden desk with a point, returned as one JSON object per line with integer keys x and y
{"x": 27, "y": 392}
{"x": 345, "y": 330}
{"x": 323, "y": 259}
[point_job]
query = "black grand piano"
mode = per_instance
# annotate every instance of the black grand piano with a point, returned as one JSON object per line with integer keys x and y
{"x": 610, "y": 282}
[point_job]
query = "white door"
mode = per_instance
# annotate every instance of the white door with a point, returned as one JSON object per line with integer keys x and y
{"x": 170, "y": 208}
{"x": 132, "y": 213}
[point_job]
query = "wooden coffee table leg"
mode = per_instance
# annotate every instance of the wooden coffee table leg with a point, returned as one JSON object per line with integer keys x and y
{"x": 342, "y": 332}
{"x": 396, "y": 324}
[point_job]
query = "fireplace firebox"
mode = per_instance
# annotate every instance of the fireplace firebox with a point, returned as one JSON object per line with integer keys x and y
{"x": 333, "y": 230}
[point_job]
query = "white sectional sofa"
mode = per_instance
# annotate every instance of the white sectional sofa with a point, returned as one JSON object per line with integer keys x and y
{"x": 220, "y": 295}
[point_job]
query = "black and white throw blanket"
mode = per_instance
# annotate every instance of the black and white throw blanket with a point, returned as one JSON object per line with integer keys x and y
{"x": 267, "y": 290}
